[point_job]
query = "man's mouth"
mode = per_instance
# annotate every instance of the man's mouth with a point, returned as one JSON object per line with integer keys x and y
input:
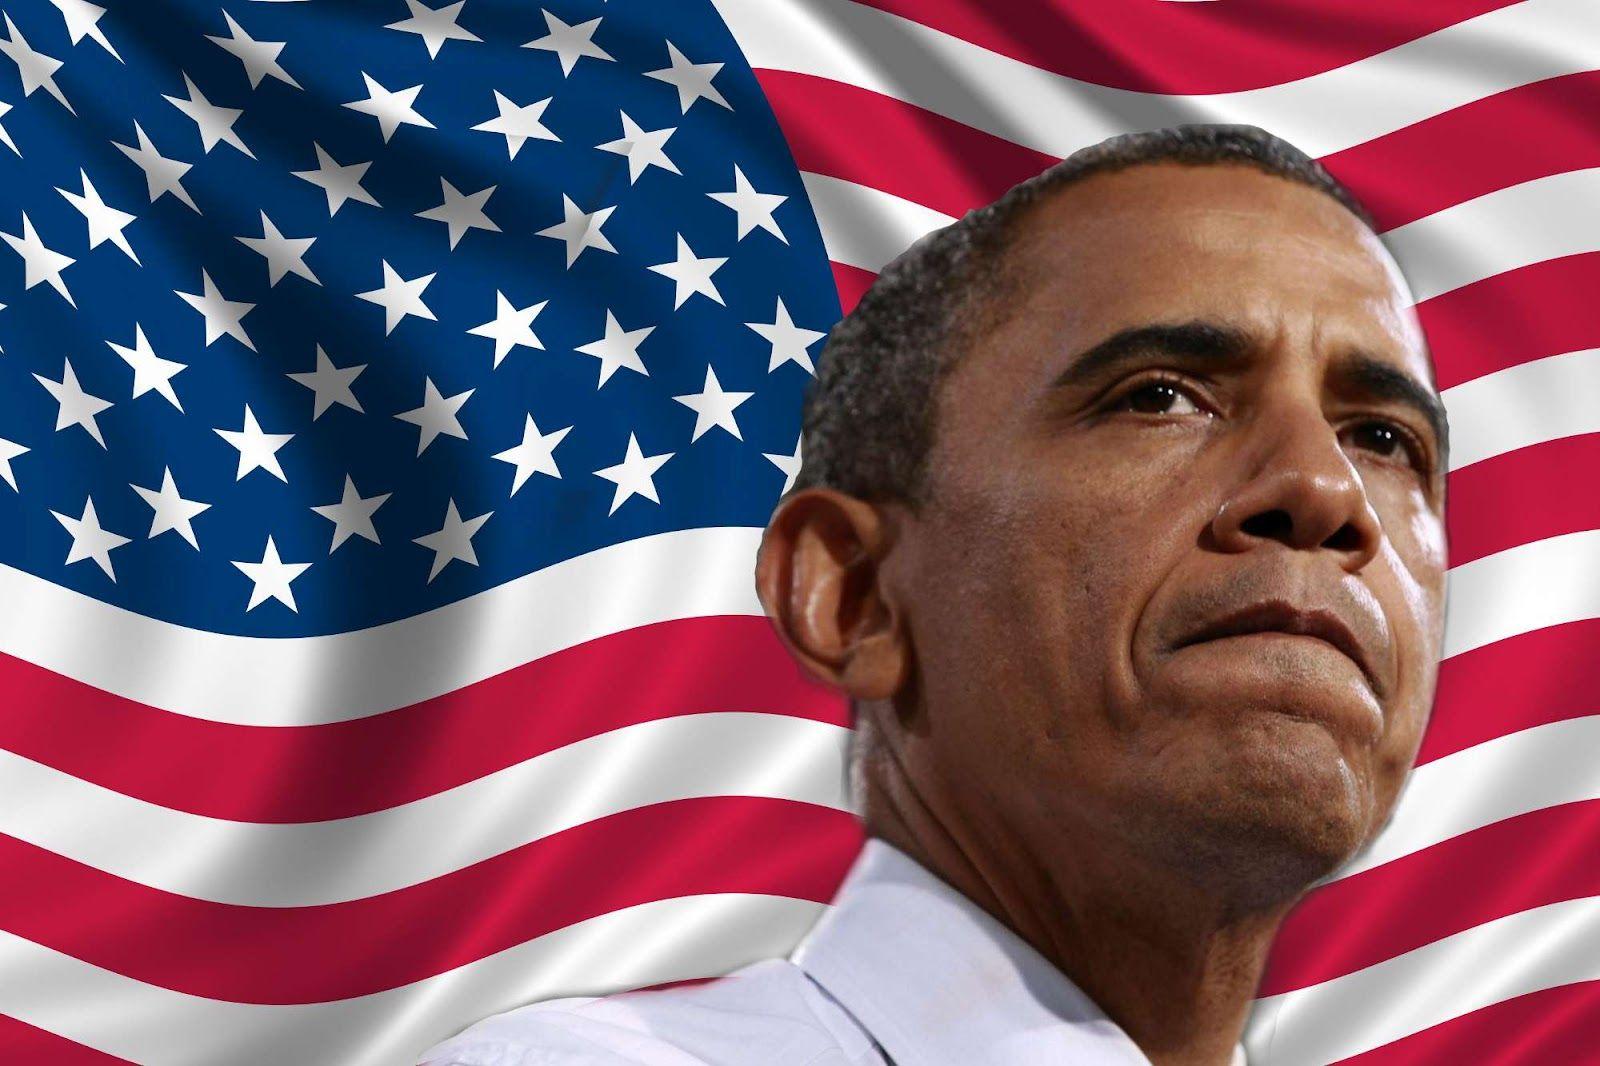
{"x": 1281, "y": 616}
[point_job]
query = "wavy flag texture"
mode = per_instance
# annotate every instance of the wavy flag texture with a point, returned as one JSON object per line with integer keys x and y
{"x": 391, "y": 400}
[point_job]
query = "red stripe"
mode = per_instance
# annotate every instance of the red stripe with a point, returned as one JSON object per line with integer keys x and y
{"x": 1539, "y": 858}
{"x": 852, "y": 283}
{"x": 1441, "y": 161}
{"x": 1556, "y": 1026}
{"x": 1548, "y": 675}
{"x": 316, "y": 773}
{"x": 874, "y": 140}
{"x": 1513, "y": 318}
{"x": 1187, "y": 48}
{"x": 22, "y": 1043}
{"x": 1520, "y": 497}
{"x": 726, "y": 844}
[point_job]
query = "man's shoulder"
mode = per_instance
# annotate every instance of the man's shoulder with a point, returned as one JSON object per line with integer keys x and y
{"x": 769, "y": 1012}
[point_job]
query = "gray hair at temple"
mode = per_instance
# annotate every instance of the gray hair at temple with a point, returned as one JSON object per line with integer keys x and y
{"x": 868, "y": 418}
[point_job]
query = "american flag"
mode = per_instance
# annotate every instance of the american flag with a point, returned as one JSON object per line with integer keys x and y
{"x": 393, "y": 396}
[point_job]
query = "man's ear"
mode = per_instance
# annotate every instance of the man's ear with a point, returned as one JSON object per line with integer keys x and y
{"x": 821, "y": 578}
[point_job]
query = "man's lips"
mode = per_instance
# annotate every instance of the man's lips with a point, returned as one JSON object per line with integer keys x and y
{"x": 1281, "y": 616}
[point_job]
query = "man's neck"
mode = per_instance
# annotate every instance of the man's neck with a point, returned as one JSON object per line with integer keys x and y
{"x": 1175, "y": 966}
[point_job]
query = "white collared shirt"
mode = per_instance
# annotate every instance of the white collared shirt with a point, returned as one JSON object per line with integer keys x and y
{"x": 902, "y": 971}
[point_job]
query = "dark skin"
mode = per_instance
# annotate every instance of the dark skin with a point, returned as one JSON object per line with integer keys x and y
{"x": 1043, "y": 727}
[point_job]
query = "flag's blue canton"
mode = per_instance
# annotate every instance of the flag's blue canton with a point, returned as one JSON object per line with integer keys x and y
{"x": 145, "y": 81}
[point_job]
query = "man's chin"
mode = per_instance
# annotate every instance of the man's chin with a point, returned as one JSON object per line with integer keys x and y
{"x": 1271, "y": 810}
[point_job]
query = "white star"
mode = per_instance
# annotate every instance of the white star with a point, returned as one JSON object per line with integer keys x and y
{"x": 511, "y": 326}
{"x": 535, "y": 455}
{"x": 341, "y": 183}
{"x": 634, "y": 476}
{"x": 150, "y": 371}
{"x": 38, "y": 262}
{"x": 9, "y": 450}
{"x": 789, "y": 341}
{"x": 36, "y": 69}
{"x": 571, "y": 43}
{"x": 77, "y": 408}
{"x": 434, "y": 26}
{"x": 399, "y": 298}
{"x": 271, "y": 578}
{"x": 752, "y": 208}
{"x": 161, "y": 175}
{"x": 260, "y": 58}
{"x": 257, "y": 450}
{"x": 618, "y": 348}
{"x": 436, "y": 415}
{"x": 214, "y": 123}
{"x": 81, "y": 18}
{"x": 172, "y": 511}
{"x": 283, "y": 254}
{"x": 580, "y": 229}
{"x": 105, "y": 223}
{"x": 789, "y": 464}
{"x": 330, "y": 384}
{"x": 5, "y": 137}
{"x": 713, "y": 407}
{"x": 222, "y": 316}
{"x": 518, "y": 124}
{"x": 692, "y": 80}
{"x": 453, "y": 540}
{"x": 391, "y": 109}
{"x": 89, "y": 541}
{"x": 352, "y": 515}
{"x": 461, "y": 211}
{"x": 690, "y": 274}
{"x": 644, "y": 148}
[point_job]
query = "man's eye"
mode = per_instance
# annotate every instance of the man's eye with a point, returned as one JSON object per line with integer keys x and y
{"x": 1158, "y": 398}
{"x": 1386, "y": 439}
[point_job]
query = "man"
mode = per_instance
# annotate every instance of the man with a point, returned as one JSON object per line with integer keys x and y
{"x": 1121, "y": 524}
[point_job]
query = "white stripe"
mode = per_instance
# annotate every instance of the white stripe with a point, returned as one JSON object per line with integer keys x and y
{"x": 668, "y": 940}
{"x": 700, "y": 755}
{"x": 1535, "y": 402}
{"x": 1320, "y": 114}
{"x": 1546, "y": 218}
{"x": 1514, "y": 227}
{"x": 316, "y": 680}
{"x": 1534, "y": 585}
{"x": 303, "y": 865}
{"x": 1547, "y": 947}
{"x": 1502, "y": 778}
{"x": 865, "y": 227}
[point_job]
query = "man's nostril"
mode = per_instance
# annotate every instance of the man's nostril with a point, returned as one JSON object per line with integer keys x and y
{"x": 1274, "y": 524}
{"x": 1347, "y": 538}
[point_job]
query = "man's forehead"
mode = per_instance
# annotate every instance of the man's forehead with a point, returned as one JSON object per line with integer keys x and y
{"x": 1223, "y": 209}
{"x": 1216, "y": 242}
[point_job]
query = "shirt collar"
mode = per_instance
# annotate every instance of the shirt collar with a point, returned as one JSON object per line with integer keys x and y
{"x": 938, "y": 981}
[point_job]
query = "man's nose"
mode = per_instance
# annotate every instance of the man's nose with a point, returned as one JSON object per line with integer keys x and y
{"x": 1303, "y": 492}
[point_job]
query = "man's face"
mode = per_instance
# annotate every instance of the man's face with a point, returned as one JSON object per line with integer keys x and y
{"x": 1103, "y": 516}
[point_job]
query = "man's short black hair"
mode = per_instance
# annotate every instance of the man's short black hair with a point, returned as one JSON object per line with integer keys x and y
{"x": 868, "y": 419}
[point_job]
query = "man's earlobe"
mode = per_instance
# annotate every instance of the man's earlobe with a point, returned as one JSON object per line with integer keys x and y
{"x": 821, "y": 579}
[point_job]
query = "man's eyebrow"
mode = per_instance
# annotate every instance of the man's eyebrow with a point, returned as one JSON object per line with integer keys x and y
{"x": 1197, "y": 341}
{"x": 1204, "y": 341}
{"x": 1364, "y": 373}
